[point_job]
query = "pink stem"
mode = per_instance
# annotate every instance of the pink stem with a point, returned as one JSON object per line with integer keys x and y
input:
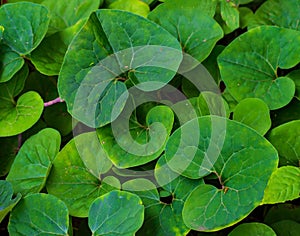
{"x": 50, "y": 103}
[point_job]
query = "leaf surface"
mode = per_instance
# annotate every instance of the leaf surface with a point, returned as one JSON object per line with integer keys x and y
{"x": 252, "y": 229}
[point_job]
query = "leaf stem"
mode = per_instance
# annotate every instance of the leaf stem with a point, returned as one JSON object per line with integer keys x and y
{"x": 52, "y": 102}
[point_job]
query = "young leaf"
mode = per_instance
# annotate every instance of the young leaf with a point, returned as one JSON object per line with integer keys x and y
{"x": 249, "y": 65}
{"x": 252, "y": 229}
{"x": 255, "y": 113}
{"x": 20, "y": 18}
{"x": 117, "y": 212}
{"x": 6, "y": 201}
{"x": 278, "y": 12}
{"x": 18, "y": 116}
{"x": 89, "y": 80}
{"x": 137, "y": 144}
{"x": 284, "y": 185}
{"x": 39, "y": 214}
{"x": 286, "y": 139}
{"x": 11, "y": 63}
{"x": 197, "y": 33}
{"x": 32, "y": 165}
{"x": 135, "y": 6}
{"x": 76, "y": 174}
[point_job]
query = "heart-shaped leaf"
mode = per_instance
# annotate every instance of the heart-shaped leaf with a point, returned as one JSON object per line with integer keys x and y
{"x": 252, "y": 229}
{"x": 137, "y": 144}
{"x": 197, "y": 33}
{"x": 278, "y": 12}
{"x": 238, "y": 156}
{"x": 255, "y": 113}
{"x": 6, "y": 201}
{"x": 11, "y": 63}
{"x": 16, "y": 117}
{"x": 32, "y": 165}
{"x": 116, "y": 206}
{"x": 284, "y": 185}
{"x": 99, "y": 57}
{"x": 22, "y": 17}
{"x": 76, "y": 174}
{"x": 249, "y": 68}
{"x": 286, "y": 139}
{"x": 39, "y": 214}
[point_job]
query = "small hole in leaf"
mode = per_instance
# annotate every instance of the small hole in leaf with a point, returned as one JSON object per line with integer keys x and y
{"x": 222, "y": 86}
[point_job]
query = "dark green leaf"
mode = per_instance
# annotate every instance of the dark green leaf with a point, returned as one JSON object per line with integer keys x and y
{"x": 252, "y": 229}
{"x": 33, "y": 163}
{"x": 22, "y": 17}
{"x": 8, "y": 153}
{"x": 116, "y": 213}
{"x": 281, "y": 212}
{"x": 6, "y": 201}
{"x": 39, "y": 214}
{"x": 249, "y": 65}
{"x": 286, "y": 227}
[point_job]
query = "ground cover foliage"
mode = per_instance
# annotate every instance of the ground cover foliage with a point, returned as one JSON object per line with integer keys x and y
{"x": 145, "y": 117}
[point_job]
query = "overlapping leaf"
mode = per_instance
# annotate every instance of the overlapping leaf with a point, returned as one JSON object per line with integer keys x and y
{"x": 250, "y": 68}
{"x": 33, "y": 163}
{"x": 252, "y": 229}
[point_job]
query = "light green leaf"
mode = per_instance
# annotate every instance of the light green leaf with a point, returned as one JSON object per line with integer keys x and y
{"x": 20, "y": 18}
{"x": 255, "y": 113}
{"x": 286, "y": 227}
{"x": 252, "y": 229}
{"x": 6, "y": 201}
{"x": 73, "y": 175}
{"x": 246, "y": 16}
{"x": 11, "y": 63}
{"x": 197, "y": 33}
{"x": 135, "y": 6}
{"x": 18, "y": 116}
{"x": 64, "y": 14}
{"x": 229, "y": 15}
{"x": 284, "y": 185}
{"x": 238, "y": 156}
{"x": 33, "y": 163}
{"x": 39, "y": 214}
{"x": 278, "y": 12}
{"x": 90, "y": 80}
{"x": 8, "y": 153}
{"x": 124, "y": 208}
{"x": 137, "y": 144}
{"x": 286, "y": 139}
{"x": 249, "y": 65}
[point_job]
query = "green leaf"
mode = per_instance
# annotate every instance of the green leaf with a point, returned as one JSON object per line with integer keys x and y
{"x": 295, "y": 76}
{"x": 116, "y": 206}
{"x": 1, "y": 32}
{"x": 281, "y": 212}
{"x": 255, "y": 113}
{"x": 284, "y": 185}
{"x": 18, "y": 116}
{"x": 249, "y": 65}
{"x": 6, "y": 201}
{"x": 278, "y": 12}
{"x": 246, "y": 17}
{"x": 137, "y": 144}
{"x": 229, "y": 15}
{"x": 135, "y": 6}
{"x": 39, "y": 214}
{"x": 286, "y": 227}
{"x": 197, "y": 33}
{"x": 8, "y": 153}
{"x": 48, "y": 56}
{"x": 64, "y": 14}
{"x": 76, "y": 174}
{"x": 11, "y": 63}
{"x": 252, "y": 229}
{"x": 286, "y": 139}
{"x": 33, "y": 163}
{"x": 34, "y": 19}
{"x": 238, "y": 156}
{"x": 136, "y": 44}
